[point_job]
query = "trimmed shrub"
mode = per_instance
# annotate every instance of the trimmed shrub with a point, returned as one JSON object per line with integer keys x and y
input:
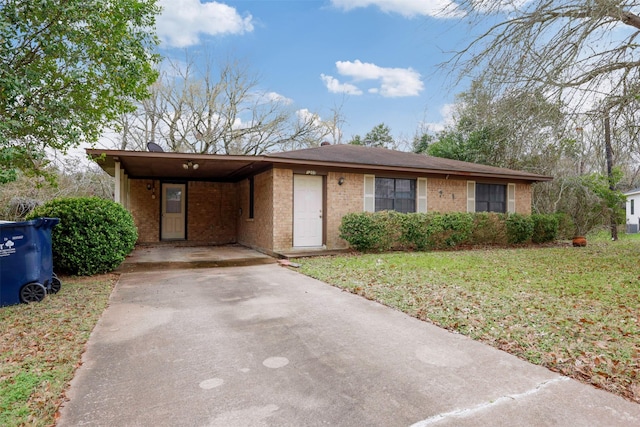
{"x": 435, "y": 231}
{"x": 519, "y": 228}
{"x": 94, "y": 235}
{"x": 361, "y": 231}
{"x": 388, "y": 230}
{"x": 489, "y": 229}
{"x": 545, "y": 228}
{"x": 415, "y": 231}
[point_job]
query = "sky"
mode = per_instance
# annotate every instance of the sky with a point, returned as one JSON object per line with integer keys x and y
{"x": 374, "y": 60}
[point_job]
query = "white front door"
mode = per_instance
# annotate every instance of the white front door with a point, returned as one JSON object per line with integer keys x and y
{"x": 307, "y": 211}
{"x": 173, "y": 211}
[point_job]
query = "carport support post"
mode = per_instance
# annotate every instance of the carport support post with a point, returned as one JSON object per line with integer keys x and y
{"x": 116, "y": 193}
{"x": 121, "y": 193}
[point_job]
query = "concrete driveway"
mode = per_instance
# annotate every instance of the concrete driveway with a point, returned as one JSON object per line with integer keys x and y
{"x": 267, "y": 346}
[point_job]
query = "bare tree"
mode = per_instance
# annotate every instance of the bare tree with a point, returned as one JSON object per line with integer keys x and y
{"x": 218, "y": 111}
{"x": 580, "y": 52}
{"x": 557, "y": 44}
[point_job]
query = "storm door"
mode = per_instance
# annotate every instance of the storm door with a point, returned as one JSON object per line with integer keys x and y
{"x": 173, "y": 212}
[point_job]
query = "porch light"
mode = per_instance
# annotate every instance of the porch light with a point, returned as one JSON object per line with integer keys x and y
{"x": 341, "y": 180}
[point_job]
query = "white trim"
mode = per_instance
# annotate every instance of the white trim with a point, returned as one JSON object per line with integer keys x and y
{"x": 369, "y": 200}
{"x": 511, "y": 198}
{"x": 117, "y": 186}
{"x": 421, "y": 195}
{"x": 471, "y": 196}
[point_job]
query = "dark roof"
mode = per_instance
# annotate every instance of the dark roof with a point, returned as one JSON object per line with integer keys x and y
{"x": 349, "y": 155}
{"x": 145, "y": 164}
{"x": 634, "y": 191}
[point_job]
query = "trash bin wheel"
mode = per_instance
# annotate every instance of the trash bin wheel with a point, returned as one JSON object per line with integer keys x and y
{"x": 56, "y": 284}
{"x": 32, "y": 292}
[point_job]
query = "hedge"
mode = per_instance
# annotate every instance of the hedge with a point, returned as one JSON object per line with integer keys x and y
{"x": 388, "y": 230}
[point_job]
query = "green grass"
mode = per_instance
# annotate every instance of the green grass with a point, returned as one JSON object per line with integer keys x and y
{"x": 573, "y": 310}
{"x": 41, "y": 345}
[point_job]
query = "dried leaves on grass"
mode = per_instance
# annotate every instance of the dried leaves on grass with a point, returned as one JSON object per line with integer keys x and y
{"x": 573, "y": 310}
{"x": 41, "y": 345}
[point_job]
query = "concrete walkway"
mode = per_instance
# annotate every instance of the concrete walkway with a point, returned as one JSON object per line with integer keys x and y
{"x": 267, "y": 346}
{"x": 169, "y": 256}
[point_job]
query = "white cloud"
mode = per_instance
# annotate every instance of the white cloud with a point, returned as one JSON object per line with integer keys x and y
{"x": 304, "y": 115}
{"x": 277, "y": 98}
{"x": 182, "y": 22}
{"x": 407, "y": 8}
{"x": 447, "y": 113}
{"x": 335, "y": 86}
{"x": 393, "y": 82}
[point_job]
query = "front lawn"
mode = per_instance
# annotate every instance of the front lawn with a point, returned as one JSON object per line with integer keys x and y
{"x": 573, "y": 310}
{"x": 41, "y": 346}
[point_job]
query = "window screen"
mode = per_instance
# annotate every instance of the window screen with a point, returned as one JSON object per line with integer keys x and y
{"x": 491, "y": 198}
{"x": 395, "y": 195}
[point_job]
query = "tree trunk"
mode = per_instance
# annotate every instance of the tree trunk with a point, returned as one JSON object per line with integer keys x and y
{"x": 609, "y": 153}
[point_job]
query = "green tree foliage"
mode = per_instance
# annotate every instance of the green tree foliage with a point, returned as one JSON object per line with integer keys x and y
{"x": 478, "y": 146}
{"x": 421, "y": 143}
{"x": 587, "y": 200}
{"x": 517, "y": 130}
{"x": 94, "y": 235}
{"x": 379, "y": 136}
{"x": 67, "y": 68}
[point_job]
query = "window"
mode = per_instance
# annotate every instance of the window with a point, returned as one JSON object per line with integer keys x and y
{"x": 491, "y": 198}
{"x": 632, "y": 213}
{"x": 395, "y": 195}
{"x": 251, "y": 197}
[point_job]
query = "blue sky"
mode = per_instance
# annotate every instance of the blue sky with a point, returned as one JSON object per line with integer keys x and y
{"x": 374, "y": 59}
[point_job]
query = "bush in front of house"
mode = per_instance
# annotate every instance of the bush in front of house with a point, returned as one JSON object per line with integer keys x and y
{"x": 371, "y": 231}
{"x": 361, "y": 231}
{"x": 387, "y": 230}
{"x": 424, "y": 231}
{"x": 545, "y": 228}
{"x": 489, "y": 228}
{"x": 94, "y": 235}
{"x": 519, "y": 228}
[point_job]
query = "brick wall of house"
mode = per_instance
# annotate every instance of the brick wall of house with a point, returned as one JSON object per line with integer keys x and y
{"x": 523, "y": 199}
{"x": 446, "y": 195}
{"x": 212, "y": 211}
{"x": 145, "y": 209}
{"x": 454, "y": 196}
{"x": 341, "y": 200}
{"x": 282, "y": 209}
{"x": 256, "y": 232}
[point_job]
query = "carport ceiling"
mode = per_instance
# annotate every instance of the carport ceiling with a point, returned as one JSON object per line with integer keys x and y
{"x": 142, "y": 164}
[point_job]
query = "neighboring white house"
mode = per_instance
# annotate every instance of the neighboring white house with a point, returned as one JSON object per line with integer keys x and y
{"x": 633, "y": 210}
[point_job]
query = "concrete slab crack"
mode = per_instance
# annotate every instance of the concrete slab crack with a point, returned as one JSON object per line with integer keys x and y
{"x": 466, "y": 412}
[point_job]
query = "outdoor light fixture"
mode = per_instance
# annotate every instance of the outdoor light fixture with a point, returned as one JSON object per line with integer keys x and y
{"x": 151, "y": 187}
{"x": 341, "y": 180}
{"x": 190, "y": 165}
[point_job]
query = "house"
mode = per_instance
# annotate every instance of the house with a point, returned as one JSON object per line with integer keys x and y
{"x": 295, "y": 200}
{"x": 633, "y": 213}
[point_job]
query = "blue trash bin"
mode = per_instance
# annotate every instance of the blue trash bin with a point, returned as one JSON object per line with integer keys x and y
{"x": 26, "y": 261}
